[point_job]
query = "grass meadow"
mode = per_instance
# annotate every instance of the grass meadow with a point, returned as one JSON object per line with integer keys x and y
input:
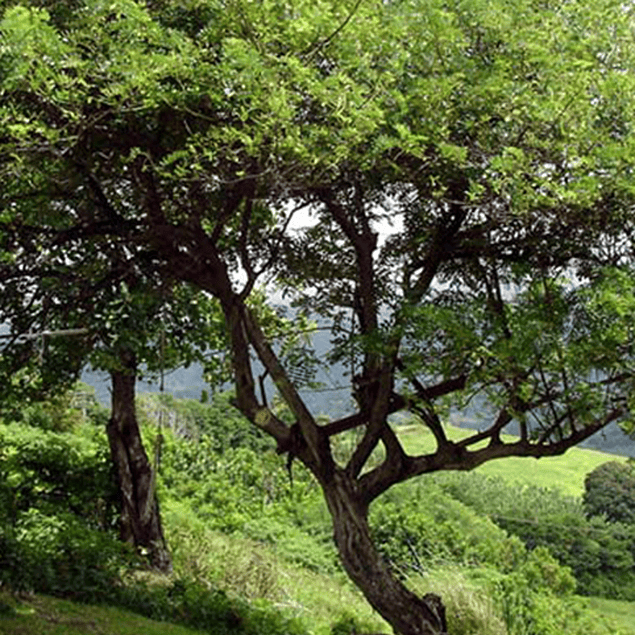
{"x": 565, "y": 472}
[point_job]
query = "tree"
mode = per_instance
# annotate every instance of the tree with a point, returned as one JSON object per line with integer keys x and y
{"x": 609, "y": 490}
{"x": 497, "y": 139}
{"x": 97, "y": 308}
{"x": 84, "y": 308}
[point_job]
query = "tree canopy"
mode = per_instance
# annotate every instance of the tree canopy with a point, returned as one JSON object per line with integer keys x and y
{"x": 494, "y": 138}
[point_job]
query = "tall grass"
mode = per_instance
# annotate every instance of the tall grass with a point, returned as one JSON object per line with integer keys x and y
{"x": 247, "y": 568}
{"x": 470, "y": 609}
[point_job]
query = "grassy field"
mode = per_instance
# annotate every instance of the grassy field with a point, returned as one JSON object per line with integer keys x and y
{"x": 621, "y": 615}
{"x": 566, "y": 472}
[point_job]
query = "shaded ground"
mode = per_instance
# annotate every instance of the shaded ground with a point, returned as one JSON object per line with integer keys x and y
{"x": 41, "y": 615}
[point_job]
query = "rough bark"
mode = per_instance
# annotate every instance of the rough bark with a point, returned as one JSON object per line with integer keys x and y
{"x": 407, "y": 613}
{"x": 140, "y": 522}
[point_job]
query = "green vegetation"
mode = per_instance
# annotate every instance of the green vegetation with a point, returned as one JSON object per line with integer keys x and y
{"x": 566, "y": 472}
{"x": 610, "y": 492}
{"x": 41, "y": 615}
{"x": 252, "y": 551}
{"x": 619, "y": 615}
{"x": 227, "y": 153}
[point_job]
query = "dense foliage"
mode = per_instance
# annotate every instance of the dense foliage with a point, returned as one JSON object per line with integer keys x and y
{"x": 599, "y": 553}
{"x": 58, "y": 505}
{"x": 610, "y": 492}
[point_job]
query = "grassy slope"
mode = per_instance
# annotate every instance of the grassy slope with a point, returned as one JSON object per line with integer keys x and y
{"x": 565, "y": 472}
{"x": 314, "y": 598}
{"x": 41, "y": 615}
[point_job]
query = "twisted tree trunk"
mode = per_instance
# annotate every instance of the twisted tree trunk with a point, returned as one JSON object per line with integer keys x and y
{"x": 407, "y": 613}
{"x": 140, "y": 522}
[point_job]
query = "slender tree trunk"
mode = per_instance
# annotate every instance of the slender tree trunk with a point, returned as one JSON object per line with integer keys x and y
{"x": 407, "y": 613}
{"x": 140, "y": 522}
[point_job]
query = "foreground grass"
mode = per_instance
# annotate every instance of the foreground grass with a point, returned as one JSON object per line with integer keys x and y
{"x": 42, "y": 615}
{"x": 566, "y": 472}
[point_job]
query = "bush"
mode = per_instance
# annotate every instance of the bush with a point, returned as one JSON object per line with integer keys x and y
{"x": 610, "y": 492}
{"x": 60, "y": 555}
{"x": 53, "y": 472}
{"x": 529, "y": 606}
{"x": 58, "y": 507}
{"x": 426, "y": 528}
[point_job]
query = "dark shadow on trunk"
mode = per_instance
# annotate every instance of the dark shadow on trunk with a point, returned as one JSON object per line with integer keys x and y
{"x": 140, "y": 522}
{"x": 407, "y": 613}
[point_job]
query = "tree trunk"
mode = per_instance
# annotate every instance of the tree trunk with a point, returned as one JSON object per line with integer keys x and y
{"x": 407, "y": 613}
{"x": 140, "y": 522}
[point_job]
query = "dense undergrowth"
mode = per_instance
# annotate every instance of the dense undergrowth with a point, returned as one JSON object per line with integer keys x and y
{"x": 251, "y": 537}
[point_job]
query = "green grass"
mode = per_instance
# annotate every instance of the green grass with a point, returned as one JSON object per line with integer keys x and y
{"x": 565, "y": 472}
{"x": 43, "y": 615}
{"x": 246, "y": 568}
{"x": 621, "y": 615}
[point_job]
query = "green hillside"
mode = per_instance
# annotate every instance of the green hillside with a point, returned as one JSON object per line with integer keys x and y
{"x": 566, "y": 472}
{"x": 253, "y": 552}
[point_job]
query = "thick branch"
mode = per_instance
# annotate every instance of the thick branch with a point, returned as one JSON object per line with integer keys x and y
{"x": 457, "y": 457}
{"x": 377, "y": 421}
{"x": 316, "y": 441}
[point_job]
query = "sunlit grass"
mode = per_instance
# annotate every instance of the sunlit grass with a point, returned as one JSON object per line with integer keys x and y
{"x": 250, "y": 569}
{"x": 620, "y": 614}
{"x": 565, "y": 472}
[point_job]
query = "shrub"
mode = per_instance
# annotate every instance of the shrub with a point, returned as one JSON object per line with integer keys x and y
{"x": 427, "y": 528}
{"x": 598, "y": 552}
{"x": 56, "y": 472}
{"x": 529, "y": 607}
{"x": 60, "y": 555}
{"x": 609, "y": 490}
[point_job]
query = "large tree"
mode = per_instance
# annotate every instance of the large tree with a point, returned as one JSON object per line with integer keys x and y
{"x": 497, "y": 139}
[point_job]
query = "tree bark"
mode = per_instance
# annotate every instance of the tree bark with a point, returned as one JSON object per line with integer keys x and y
{"x": 407, "y": 613}
{"x": 140, "y": 522}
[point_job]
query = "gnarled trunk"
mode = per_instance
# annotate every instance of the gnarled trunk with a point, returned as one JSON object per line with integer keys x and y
{"x": 407, "y": 613}
{"x": 140, "y": 522}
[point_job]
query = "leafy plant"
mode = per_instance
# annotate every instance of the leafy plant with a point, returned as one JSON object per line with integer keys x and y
{"x": 610, "y": 492}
